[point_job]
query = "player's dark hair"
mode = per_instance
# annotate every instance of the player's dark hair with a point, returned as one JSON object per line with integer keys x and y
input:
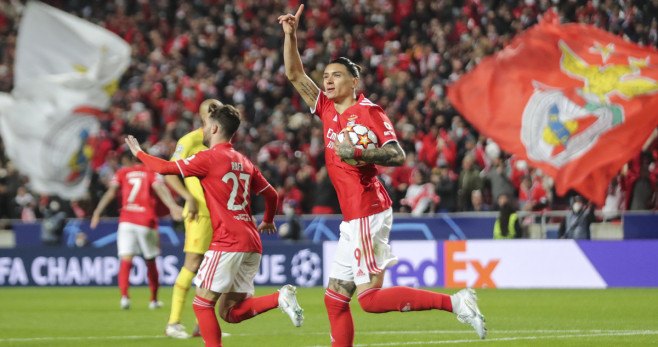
{"x": 354, "y": 69}
{"x": 227, "y": 116}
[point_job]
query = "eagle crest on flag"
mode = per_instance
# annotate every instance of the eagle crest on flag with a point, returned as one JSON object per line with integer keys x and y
{"x": 575, "y": 101}
{"x": 569, "y": 122}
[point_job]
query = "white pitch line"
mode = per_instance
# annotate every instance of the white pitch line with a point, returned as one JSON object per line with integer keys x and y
{"x": 647, "y": 332}
{"x": 74, "y": 338}
{"x": 574, "y": 333}
{"x": 81, "y": 338}
{"x": 595, "y": 333}
{"x": 465, "y": 331}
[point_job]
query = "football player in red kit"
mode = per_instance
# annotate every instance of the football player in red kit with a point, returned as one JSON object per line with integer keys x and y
{"x": 363, "y": 252}
{"x": 138, "y": 222}
{"x": 230, "y": 265}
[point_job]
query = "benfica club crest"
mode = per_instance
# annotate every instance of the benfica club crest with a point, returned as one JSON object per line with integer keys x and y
{"x": 559, "y": 125}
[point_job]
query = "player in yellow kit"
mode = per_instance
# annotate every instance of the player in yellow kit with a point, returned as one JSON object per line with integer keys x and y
{"x": 198, "y": 228}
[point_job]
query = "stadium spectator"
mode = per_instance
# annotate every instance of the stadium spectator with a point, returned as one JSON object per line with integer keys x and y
{"x": 614, "y": 201}
{"x": 641, "y": 191}
{"x": 469, "y": 180}
{"x": 446, "y": 188}
{"x": 26, "y": 204}
{"x": 235, "y": 250}
{"x": 421, "y": 196}
{"x": 365, "y": 205}
{"x": 576, "y": 225}
{"x": 498, "y": 179}
{"x": 138, "y": 224}
{"x": 54, "y": 220}
{"x": 532, "y": 194}
{"x": 507, "y": 225}
{"x": 477, "y": 202}
{"x": 326, "y": 201}
{"x": 402, "y": 177}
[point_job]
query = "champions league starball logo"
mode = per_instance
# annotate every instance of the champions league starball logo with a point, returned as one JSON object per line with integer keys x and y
{"x": 559, "y": 125}
{"x": 306, "y": 268}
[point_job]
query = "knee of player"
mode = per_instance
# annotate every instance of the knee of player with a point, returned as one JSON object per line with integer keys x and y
{"x": 367, "y": 300}
{"x": 224, "y": 314}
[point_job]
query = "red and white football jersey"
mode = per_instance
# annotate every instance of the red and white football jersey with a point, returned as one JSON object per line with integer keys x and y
{"x": 360, "y": 193}
{"x": 138, "y": 200}
{"x": 227, "y": 178}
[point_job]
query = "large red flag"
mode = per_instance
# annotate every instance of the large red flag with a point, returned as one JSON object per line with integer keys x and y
{"x": 573, "y": 100}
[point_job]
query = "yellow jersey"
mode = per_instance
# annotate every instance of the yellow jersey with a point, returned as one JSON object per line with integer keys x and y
{"x": 188, "y": 145}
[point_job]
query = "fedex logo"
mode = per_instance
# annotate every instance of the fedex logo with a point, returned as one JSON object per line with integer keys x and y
{"x": 439, "y": 264}
{"x": 475, "y": 273}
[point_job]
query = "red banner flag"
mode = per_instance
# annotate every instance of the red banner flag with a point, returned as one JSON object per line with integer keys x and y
{"x": 573, "y": 100}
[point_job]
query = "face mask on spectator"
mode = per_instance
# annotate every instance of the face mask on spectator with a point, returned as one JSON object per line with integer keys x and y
{"x": 577, "y": 206}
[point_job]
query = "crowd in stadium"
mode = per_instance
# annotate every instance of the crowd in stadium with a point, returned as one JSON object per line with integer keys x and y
{"x": 184, "y": 52}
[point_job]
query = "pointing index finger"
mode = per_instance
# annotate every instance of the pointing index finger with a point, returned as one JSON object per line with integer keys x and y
{"x": 299, "y": 12}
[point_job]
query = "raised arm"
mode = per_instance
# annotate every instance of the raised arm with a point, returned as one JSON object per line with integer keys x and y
{"x": 293, "y": 61}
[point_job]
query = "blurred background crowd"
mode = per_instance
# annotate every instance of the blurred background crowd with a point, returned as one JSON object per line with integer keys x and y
{"x": 186, "y": 51}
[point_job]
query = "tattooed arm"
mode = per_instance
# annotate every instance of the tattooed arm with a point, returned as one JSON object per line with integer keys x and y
{"x": 293, "y": 62}
{"x": 391, "y": 154}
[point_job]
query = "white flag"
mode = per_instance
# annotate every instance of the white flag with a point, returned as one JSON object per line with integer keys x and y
{"x": 65, "y": 66}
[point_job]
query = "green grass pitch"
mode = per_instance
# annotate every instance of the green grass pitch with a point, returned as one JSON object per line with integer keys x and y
{"x": 88, "y": 316}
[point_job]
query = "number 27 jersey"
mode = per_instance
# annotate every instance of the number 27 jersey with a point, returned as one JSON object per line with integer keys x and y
{"x": 227, "y": 178}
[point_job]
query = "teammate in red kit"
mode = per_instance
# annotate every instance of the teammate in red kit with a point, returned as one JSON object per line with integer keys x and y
{"x": 138, "y": 222}
{"x": 230, "y": 265}
{"x": 363, "y": 252}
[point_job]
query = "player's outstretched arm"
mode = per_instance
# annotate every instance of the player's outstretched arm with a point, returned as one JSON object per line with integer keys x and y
{"x": 102, "y": 204}
{"x": 293, "y": 61}
{"x": 164, "y": 194}
{"x": 132, "y": 143}
{"x": 158, "y": 165}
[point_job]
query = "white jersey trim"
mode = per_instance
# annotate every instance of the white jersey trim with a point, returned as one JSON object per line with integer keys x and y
{"x": 262, "y": 190}
{"x": 387, "y": 142}
{"x": 315, "y": 107}
{"x": 366, "y": 102}
{"x": 180, "y": 169}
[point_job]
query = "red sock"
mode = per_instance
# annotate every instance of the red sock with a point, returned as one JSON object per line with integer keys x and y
{"x": 124, "y": 274}
{"x": 403, "y": 299}
{"x": 154, "y": 278}
{"x": 340, "y": 318}
{"x": 208, "y": 324}
{"x": 250, "y": 307}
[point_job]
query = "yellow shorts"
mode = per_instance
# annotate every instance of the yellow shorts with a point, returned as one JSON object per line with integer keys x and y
{"x": 198, "y": 235}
